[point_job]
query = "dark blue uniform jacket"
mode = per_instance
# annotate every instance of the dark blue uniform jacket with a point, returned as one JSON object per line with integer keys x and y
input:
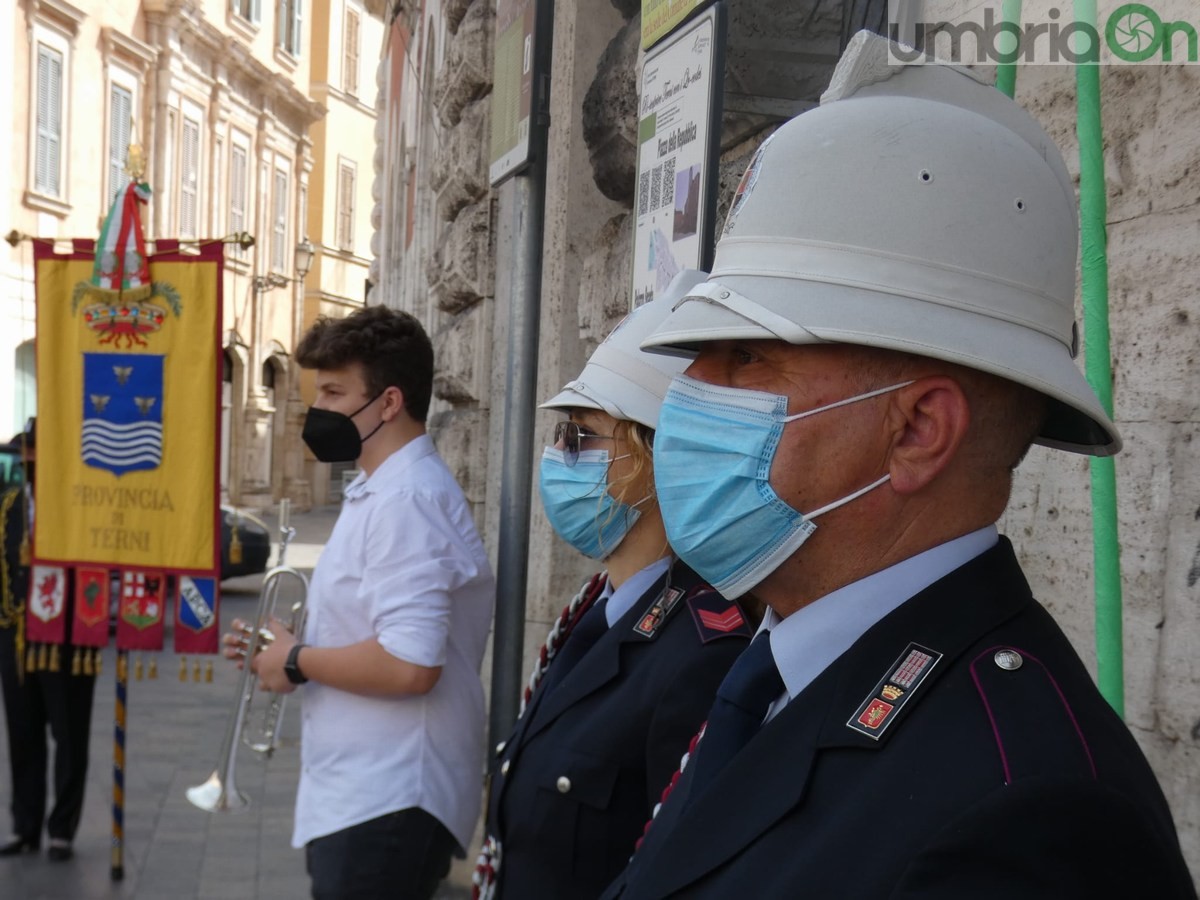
{"x": 989, "y": 781}
{"x": 589, "y": 760}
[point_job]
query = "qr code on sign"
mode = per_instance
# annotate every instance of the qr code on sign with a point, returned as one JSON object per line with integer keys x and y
{"x": 656, "y": 187}
{"x": 668, "y": 182}
{"x": 643, "y": 193}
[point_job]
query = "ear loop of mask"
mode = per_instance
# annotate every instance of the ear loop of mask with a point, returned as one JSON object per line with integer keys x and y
{"x": 371, "y": 434}
{"x": 847, "y": 401}
{"x": 829, "y": 507}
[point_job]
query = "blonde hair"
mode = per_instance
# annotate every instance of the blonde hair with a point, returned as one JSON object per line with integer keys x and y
{"x": 636, "y": 487}
{"x": 638, "y": 483}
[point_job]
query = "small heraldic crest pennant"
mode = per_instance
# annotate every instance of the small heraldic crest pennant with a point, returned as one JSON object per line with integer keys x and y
{"x": 141, "y": 599}
{"x": 89, "y": 628}
{"x": 196, "y": 615}
{"x": 49, "y": 592}
{"x": 45, "y": 621}
{"x": 142, "y": 603}
{"x": 196, "y": 609}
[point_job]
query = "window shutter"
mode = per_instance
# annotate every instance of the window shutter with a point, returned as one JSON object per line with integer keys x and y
{"x": 237, "y": 193}
{"x": 296, "y": 20}
{"x": 279, "y": 232}
{"x": 345, "y": 235}
{"x": 189, "y": 186}
{"x": 350, "y": 62}
{"x": 47, "y": 165}
{"x": 120, "y": 110}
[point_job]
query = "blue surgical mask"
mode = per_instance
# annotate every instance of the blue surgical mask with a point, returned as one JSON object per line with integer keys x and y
{"x": 712, "y": 466}
{"x": 579, "y": 506}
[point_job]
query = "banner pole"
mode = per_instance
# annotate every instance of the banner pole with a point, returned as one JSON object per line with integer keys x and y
{"x": 118, "y": 809}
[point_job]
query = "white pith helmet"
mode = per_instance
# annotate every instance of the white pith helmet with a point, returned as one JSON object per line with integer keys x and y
{"x": 917, "y": 209}
{"x": 620, "y": 378}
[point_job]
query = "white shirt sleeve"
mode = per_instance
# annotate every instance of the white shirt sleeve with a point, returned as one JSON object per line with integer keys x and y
{"x": 415, "y": 558}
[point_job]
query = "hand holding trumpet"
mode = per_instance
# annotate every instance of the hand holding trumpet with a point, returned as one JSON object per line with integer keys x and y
{"x": 274, "y": 643}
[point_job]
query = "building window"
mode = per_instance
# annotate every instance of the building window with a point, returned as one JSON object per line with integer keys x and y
{"x": 345, "y": 206}
{"x": 238, "y": 160}
{"x": 289, "y": 26}
{"x": 279, "y": 248}
{"x": 189, "y": 206}
{"x": 120, "y": 104}
{"x": 247, "y": 9}
{"x": 47, "y": 177}
{"x": 350, "y": 54}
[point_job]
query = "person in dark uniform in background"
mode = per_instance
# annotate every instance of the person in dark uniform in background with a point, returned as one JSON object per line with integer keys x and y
{"x": 632, "y": 663}
{"x": 887, "y": 328}
{"x": 33, "y": 700}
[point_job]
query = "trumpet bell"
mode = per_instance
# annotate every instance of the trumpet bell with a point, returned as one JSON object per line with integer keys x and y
{"x": 211, "y": 796}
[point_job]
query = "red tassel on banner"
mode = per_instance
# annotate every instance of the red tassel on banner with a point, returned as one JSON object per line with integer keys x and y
{"x": 89, "y": 628}
{"x": 45, "y": 619}
{"x": 196, "y": 618}
{"x": 140, "y": 616}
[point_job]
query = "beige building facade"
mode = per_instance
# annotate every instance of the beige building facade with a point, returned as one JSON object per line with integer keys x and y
{"x": 444, "y": 241}
{"x": 228, "y": 99}
{"x": 347, "y": 36}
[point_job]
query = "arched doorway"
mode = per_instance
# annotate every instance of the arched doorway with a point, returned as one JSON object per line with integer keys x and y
{"x": 25, "y": 389}
{"x": 227, "y": 365}
{"x": 274, "y": 382}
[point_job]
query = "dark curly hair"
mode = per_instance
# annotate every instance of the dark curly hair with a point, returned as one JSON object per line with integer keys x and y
{"x": 390, "y": 345}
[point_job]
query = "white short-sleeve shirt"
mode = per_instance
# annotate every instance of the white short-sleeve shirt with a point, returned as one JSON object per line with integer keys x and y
{"x": 404, "y": 565}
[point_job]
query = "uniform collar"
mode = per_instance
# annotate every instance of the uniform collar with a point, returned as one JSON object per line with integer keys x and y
{"x": 807, "y": 641}
{"x": 621, "y": 599}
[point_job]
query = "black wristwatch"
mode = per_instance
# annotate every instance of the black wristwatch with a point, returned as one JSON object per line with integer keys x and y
{"x": 291, "y": 668}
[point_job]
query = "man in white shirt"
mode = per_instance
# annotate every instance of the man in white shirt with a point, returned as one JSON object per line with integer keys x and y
{"x": 398, "y": 614}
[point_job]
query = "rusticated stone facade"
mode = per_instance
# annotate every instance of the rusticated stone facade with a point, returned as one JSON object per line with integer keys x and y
{"x": 444, "y": 234}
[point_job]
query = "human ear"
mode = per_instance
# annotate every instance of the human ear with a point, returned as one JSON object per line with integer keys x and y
{"x": 393, "y": 402}
{"x": 929, "y": 420}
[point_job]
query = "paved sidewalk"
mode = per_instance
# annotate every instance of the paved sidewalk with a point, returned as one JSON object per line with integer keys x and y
{"x": 173, "y": 736}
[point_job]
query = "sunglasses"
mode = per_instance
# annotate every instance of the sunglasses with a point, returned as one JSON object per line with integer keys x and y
{"x": 571, "y": 435}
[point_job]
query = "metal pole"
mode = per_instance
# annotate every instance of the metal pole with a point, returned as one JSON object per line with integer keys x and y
{"x": 516, "y": 488}
{"x": 1006, "y": 72}
{"x": 1093, "y": 214}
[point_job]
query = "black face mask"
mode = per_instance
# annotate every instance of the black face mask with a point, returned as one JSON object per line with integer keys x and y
{"x": 333, "y": 436}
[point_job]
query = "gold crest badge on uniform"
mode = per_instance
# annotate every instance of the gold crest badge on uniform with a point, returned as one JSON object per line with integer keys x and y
{"x": 892, "y": 692}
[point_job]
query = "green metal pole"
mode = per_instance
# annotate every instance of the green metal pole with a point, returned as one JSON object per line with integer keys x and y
{"x": 1006, "y": 73}
{"x": 1110, "y": 664}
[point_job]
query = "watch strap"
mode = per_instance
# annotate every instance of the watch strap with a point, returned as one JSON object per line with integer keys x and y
{"x": 291, "y": 667}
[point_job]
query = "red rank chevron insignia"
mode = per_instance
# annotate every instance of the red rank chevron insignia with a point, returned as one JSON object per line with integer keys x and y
{"x": 715, "y": 617}
{"x": 726, "y": 621}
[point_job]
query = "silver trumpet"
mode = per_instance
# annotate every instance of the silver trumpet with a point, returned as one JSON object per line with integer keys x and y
{"x": 220, "y": 793}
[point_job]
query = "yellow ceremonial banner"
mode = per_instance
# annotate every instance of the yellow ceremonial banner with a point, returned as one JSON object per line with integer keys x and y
{"x": 127, "y": 413}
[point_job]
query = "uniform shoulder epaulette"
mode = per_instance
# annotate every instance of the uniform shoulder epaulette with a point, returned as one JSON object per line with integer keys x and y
{"x": 1036, "y": 731}
{"x": 717, "y": 617}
